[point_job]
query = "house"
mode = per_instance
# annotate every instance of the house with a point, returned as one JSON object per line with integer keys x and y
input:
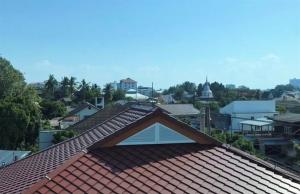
{"x": 9, "y": 156}
{"x": 127, "y": 84}
{"x": 245, "y": 110}
{"x": 185, "y": 112}
{"x": 81, "y": 112}
{"x": 287, "y": 124}
{"x": 144, "y": 150}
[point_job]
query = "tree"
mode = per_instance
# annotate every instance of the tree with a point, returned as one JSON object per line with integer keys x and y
{"x": 65, "y": 87}
{"x": 108, "y": 93}
{"x": 10, "y": 79}
{"x": 82, "y": 94}
{"x": 50, "y": 87}
{"x": 279, "y": 89}
{"x": 51, "y": 109}
{"x": 189, "y": 87}
{"x": 19, "y": 109}
{"x": 281, "y": 109}
{"x": 72, "y": 85}
{"x": 199, "y": 90}
{"x": 19, "y": 120}
{"x": 63, "y": 135}
{"x": 118, "y": 95}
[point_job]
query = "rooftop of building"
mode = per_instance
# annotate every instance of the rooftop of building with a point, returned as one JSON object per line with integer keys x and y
{"x": 94, "y": 162}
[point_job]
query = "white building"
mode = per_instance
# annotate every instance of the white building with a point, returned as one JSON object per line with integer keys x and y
{"x": 127, "y": 84}
{"x": 135, "y": 95}
{"x": 245, "y": 110}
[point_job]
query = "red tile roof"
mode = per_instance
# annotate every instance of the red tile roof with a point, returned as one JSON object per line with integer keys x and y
{"x": 169, "y": 168}
{"x": 173, "y": 168}
{"x": 20, "y": 175}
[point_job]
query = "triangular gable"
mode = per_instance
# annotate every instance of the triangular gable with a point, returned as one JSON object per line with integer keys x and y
{"x": 158, "y": 116}
{"x": 157, "y": 133}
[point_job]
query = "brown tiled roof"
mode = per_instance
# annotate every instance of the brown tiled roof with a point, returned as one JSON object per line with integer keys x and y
{"x": 128, "y": 80}
{"x": 84, "y": 165}
{"x": 23, "y": 173}
{"x": 169, "y": 168}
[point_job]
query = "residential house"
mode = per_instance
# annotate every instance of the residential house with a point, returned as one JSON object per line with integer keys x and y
{"x": 127, "y": 84}
{"x": 280, "y": 140}
{"x": 81, "y": 112}
{"x": 145, "y": 150}
{"x": 248, "y": 110}
{"x": 185, "y": 112}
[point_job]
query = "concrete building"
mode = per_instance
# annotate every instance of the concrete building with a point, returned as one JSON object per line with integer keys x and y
{"x": 248, "y": 110}
{"x": 127, "y": 84}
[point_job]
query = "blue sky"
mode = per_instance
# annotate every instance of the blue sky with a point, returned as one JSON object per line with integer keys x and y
{"x": 245, "y": 42}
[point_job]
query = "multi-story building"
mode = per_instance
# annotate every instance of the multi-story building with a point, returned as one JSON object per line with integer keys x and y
{"x": 127, "y": 84}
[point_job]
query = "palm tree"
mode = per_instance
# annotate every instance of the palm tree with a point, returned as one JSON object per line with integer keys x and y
{"x": 51, "y": 85}
{"x": 65, "y": 86}
{"x": 72, "y": 85}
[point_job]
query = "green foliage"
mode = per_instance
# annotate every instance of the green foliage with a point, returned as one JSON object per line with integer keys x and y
{"x": 19, "y": 109}
{"x": 214, "y": 106}
{"x": 297, "y": 149}
{"x": 63, "y": 135}
{"x": 11, "y": 80}
{"x": 235, "y": 140}
{"x": 279, "y": 89}
{"x": 50, "y": 87}
{"x": 51, "y": 109}
{"x": 118, "y": 95}
{"x": 281, "y": 109}
{"x": 108, "y": 93}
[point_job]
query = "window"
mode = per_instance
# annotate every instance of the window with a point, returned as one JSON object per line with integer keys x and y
{"x": 156, "y": 134}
